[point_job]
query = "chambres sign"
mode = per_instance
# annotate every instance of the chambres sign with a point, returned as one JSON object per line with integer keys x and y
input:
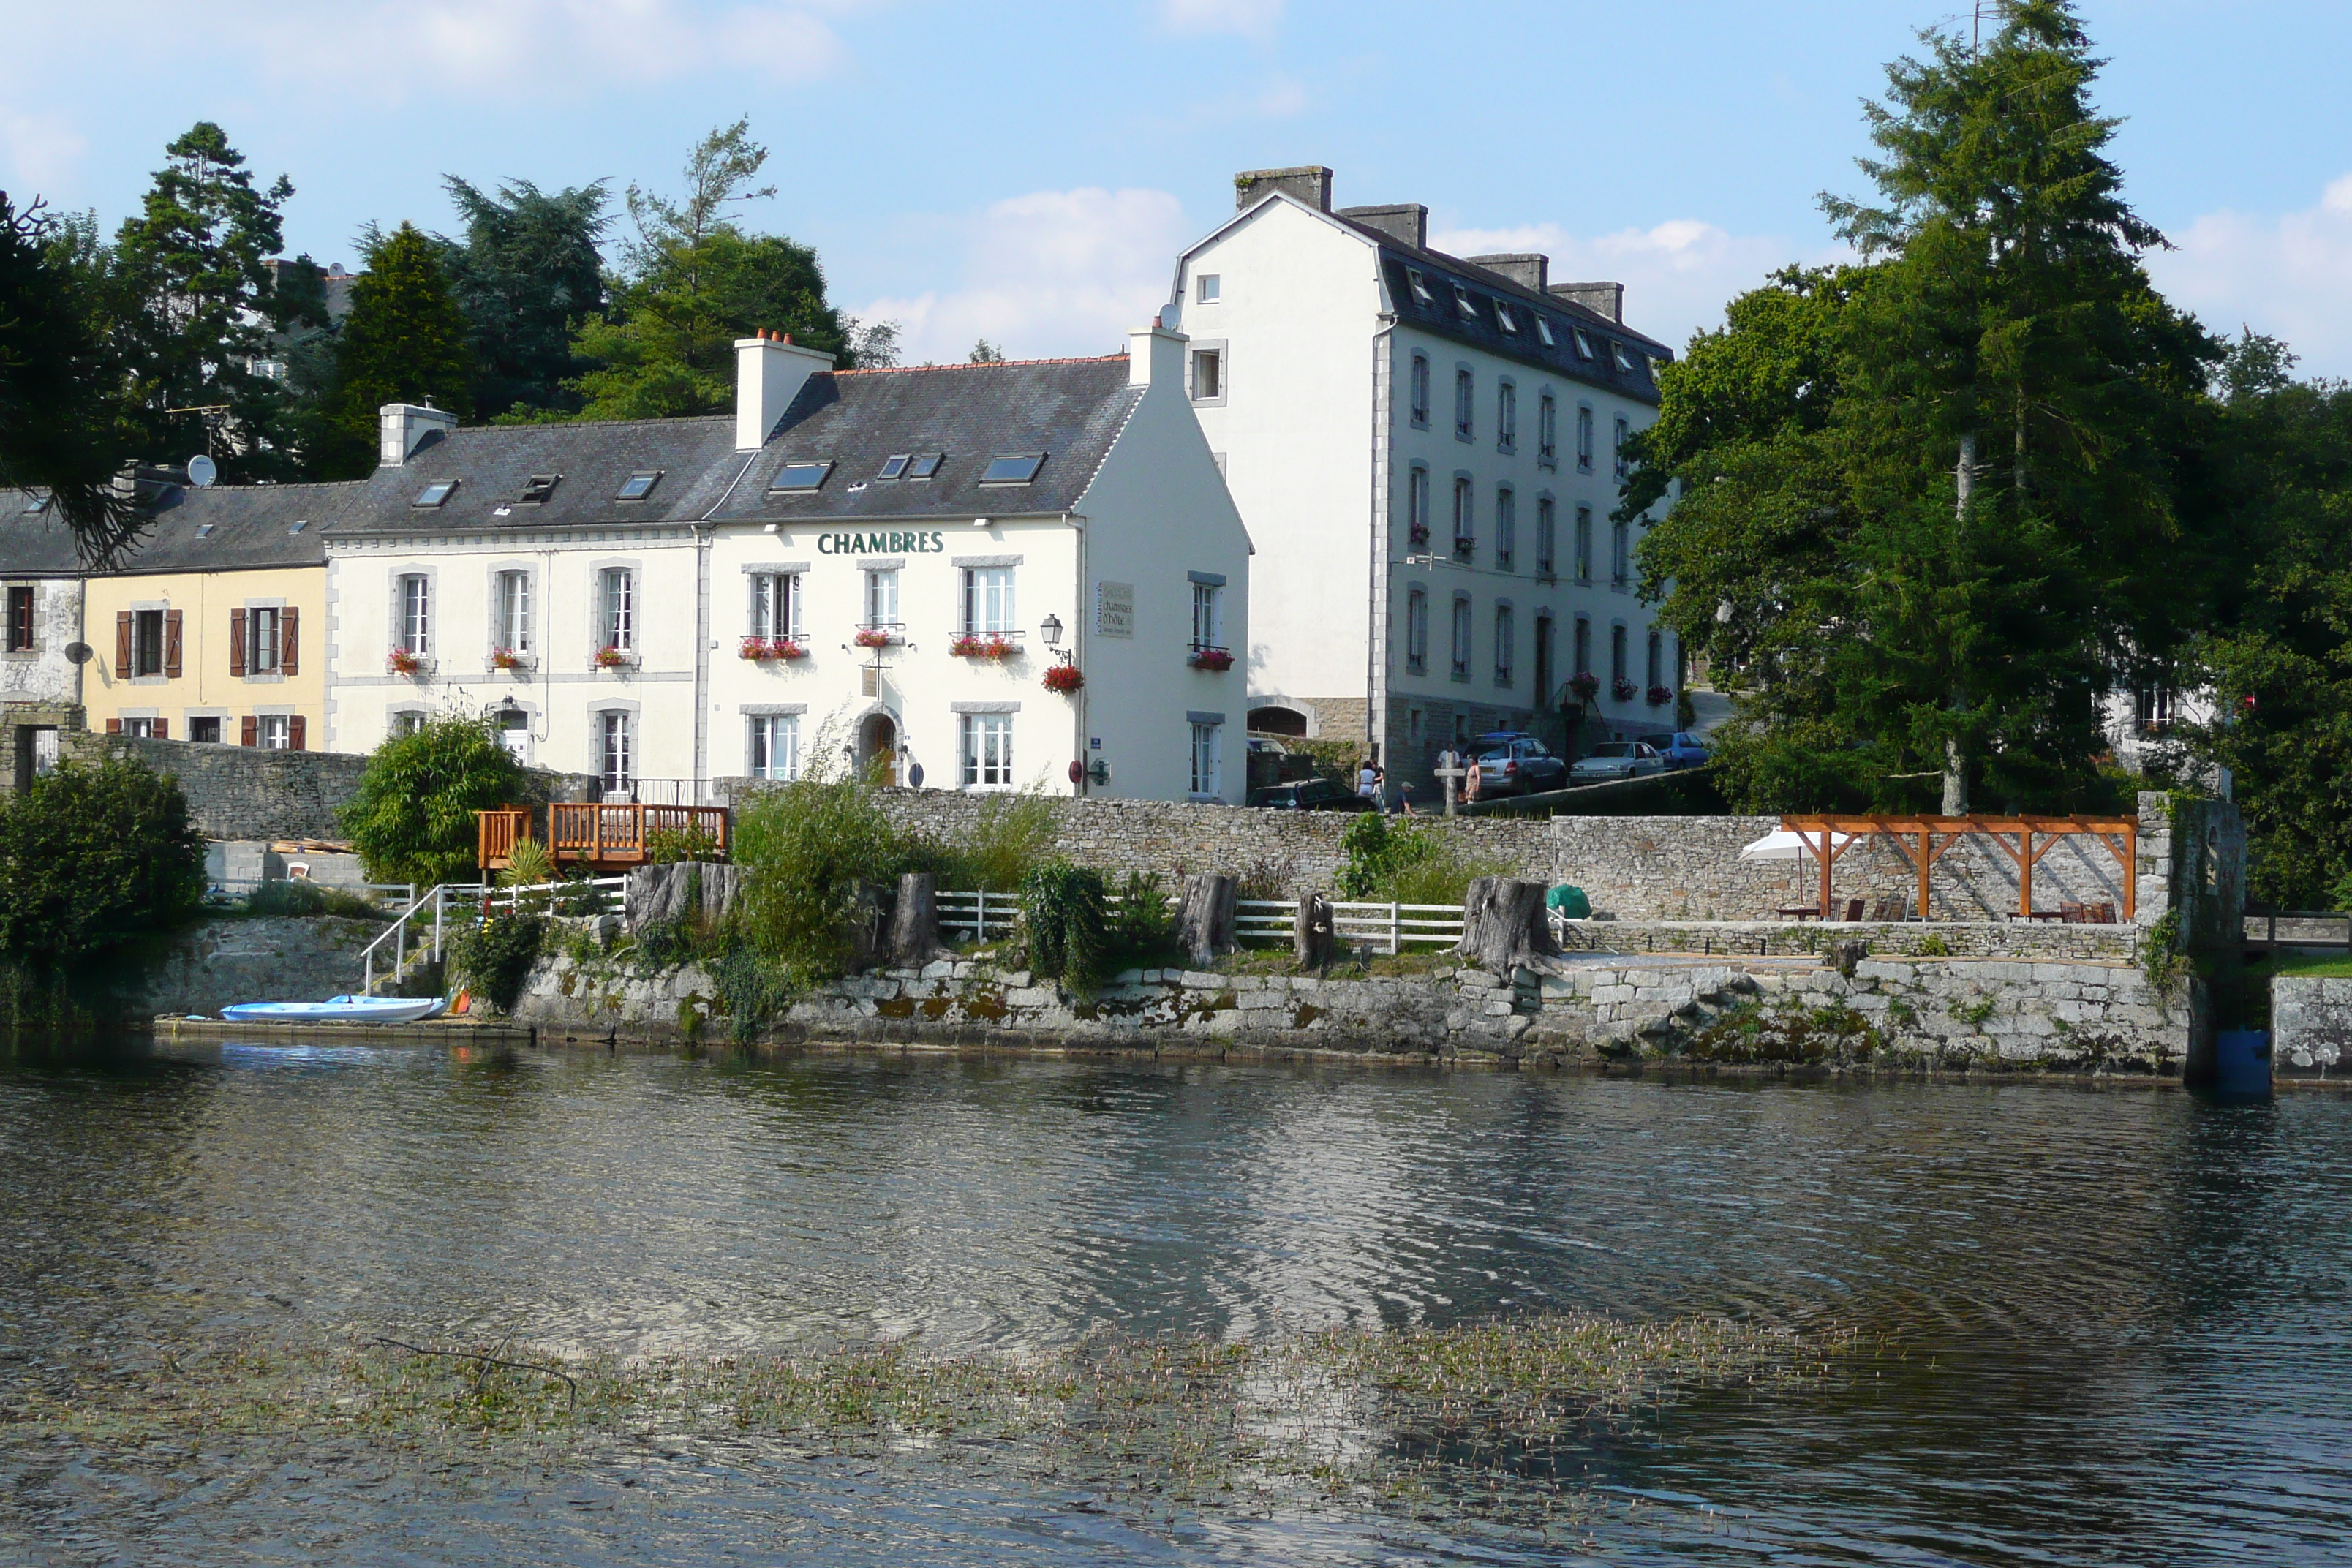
{"x": 894, "y": 541}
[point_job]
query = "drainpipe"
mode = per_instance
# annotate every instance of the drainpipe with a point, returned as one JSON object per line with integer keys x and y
{"x": 1376, "y": 683}
{"x": 702, "y": 537}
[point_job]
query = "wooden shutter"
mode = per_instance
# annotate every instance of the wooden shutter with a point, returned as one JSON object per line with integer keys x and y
{"x": 248, "y": 731}
{"x": 172, "y": 645}
{"x": 114, "y": 726}
{"x": 290, "y": 653}
{"x": 162, "y": 730}
{"x": 122, "y": 670}
{"x": 296, "y": 729}
{"x": 236, "y": 620}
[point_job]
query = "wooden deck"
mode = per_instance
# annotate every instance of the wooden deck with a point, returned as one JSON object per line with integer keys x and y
{"x": 603, "y": 838}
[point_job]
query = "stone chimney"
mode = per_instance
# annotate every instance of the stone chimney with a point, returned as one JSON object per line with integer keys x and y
{"x": 1525, "y": 269}
{"x": 402, "y": 427}
{"x": 1408, "y": 223}
{"x": 1155, "y": 357}
{"x": 1311, "y": 185}
{"x": 769, "y": 371}
{"x": 1607, "y": 299}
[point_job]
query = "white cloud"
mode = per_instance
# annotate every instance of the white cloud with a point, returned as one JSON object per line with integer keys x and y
{"x": 1250, "y": 19}
{"x": 1677, "y": 275}
{"x": 1046, "y": 274}
{"x": 39, "y": 152}
{"x": 2287, "y": 275}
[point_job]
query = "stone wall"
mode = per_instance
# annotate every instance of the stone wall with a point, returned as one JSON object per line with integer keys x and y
{"x": 2311, "y": 1027}
{"x": 208, "y": 966}
{"x": 1945, "y": 1015}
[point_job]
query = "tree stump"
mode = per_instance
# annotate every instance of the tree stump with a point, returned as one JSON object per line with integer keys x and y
{"x": 915, "y": 920}
{"x": 1204, "y": 917}
{"x": 1503, "y": 926}
{"x": 869, "y": 924}
{"x": 1311, "y": 933}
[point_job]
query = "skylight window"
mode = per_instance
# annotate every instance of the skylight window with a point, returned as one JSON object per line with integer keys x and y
{"x": 540, "y": 488}
{"x": 1617, "y": 353}
{"x": 1503, "y": 319}
{"x": 925, "y": 465}
{"x": 1464, "y": 303}
{"x": 895, "y": 466}
{"x": 801, "y": 476}
{"x": 1543, "y": 330}
{"x": 1583, "y": 344}
{"x": 37, "y": 502}
{"x": 297, "y": 525}
{"x": 203, "y": 531}
{"x": 435, "y": 493}
{"x": 640, "y": 485}
{"x": 1419, "y": 286}
{"x": 1012, "y": 469}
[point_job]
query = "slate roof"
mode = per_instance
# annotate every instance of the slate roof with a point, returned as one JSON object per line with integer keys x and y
{"x": 33, "y": 544}
{"x": 1071, "y": 410}
{"x": 229, "y": 528}
{"x": 492, "y": 463}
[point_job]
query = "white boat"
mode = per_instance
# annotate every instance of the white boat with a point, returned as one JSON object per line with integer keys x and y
{"x": 338, "y": 1010}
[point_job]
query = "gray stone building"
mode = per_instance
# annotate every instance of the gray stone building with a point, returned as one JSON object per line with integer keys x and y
{"x": 40, "y": 632}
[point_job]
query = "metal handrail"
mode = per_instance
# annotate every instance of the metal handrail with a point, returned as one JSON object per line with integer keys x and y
{"x": 438, "y": 896}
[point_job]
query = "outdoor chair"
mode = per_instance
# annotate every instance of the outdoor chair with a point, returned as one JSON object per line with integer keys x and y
{"x": 2070, "y": 912}
{"x": 1853, "y": 908}
{"x": 2099, "y": 914}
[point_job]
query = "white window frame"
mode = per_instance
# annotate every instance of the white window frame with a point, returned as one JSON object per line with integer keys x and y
{"x": 274, "y": 731}
{"x": 415, "y": 598}
{"x": 1207, "y": 287}
{"x": 616, "y": 608}
{"x": 617, "y": 749}
{"x": 1208, "y": 616}
{"x": 1506, "y": 417}
{"x": 1621, "y": 431}
{"x": 1547, "y": 537}
{"x": 1547, "y": 431}
{"x": 1208, "y": 770}
{"x": 1621, "y": 555}
{"x": 776, "y": 604}
{"x": 988, "y": 606}
{"x": 1416, "y": 506}
{"x": 1210, "y": 380}
{"x": 772, "y": 745}
{"x": 1465, "y": 404}
{"x": 1416, "y": 631}
{"x": 1417, "y": 392}
{"x": 1465, "y": 519}
{"x": 265, "y": 655}
{"x": 1506, "y": 636}
{"x": 510, "y": 629}
{"x": 985, "y": 741}
{"x": 1584, "y": 438}
{"x": 1464, "y": 632}
{"x": 1584, "y": 545}
{"x": 881, "y": 596}
{"x": 1507, "y": 528}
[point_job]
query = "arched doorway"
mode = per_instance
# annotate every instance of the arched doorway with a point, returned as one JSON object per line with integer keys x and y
{"x": 877, "y": 748}
{"x": 1277, "y": 721}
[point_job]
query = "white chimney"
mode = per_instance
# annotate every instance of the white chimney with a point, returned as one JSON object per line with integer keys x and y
{"x": 401, "y": 428}
{"x": 1155, "y": 357}
{"x": 769, "y": 373}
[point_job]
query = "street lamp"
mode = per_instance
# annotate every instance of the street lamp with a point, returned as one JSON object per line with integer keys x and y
{"x": 1050, "y": 633}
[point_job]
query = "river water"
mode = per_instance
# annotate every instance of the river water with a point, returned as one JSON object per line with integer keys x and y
{"x": 2110, "y": 1324}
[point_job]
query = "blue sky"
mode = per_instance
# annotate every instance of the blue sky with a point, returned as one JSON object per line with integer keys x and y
{"x": 1028, "y": 171}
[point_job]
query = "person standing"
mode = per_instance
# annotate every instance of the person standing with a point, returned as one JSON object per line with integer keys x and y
{"x": 1368, "y": 781}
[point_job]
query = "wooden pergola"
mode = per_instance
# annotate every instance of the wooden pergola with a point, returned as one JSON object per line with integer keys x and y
{"x": 1923, "y": 841}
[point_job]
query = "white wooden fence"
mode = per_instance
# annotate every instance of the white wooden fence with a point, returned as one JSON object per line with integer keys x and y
{"x": 1384, "y": 928}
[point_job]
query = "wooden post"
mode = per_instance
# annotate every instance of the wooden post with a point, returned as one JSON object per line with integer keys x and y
{"x": 2131, "y": 874}
{"x": 1827, "y": 862}
{"x": 1926, "y": 868}
{"x": 2025, "y": 871}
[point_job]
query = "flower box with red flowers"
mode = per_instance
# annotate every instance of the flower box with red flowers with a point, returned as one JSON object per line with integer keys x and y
{"x": 1585, "y": 684}
{"x": 615, "y": 659}
{"x": 1064, "y": 677}
{"x": 875, "y": 637}
{"x": 1419, "y": 534}
{"x": 1211, "y": 659}
{"x": 509, "y": 658}
{"x": 1623, "y": 690}
{"x": 765, "y": 648}
{"x": 400, "y": 661}
{"x": 1661, "y": 695}
{"x": 981, "y": 645}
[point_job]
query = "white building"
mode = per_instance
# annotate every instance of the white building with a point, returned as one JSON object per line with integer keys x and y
{"x": 1425, "y": 451}
{"x": 893, "y": 562}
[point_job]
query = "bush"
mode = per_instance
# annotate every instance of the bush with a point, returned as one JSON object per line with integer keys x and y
{"x": 496, "y": 956}
{"x": 1144, "y": 926}
{"x": 1069, "y": 924}
{"x": 1408, "y": 863}
{"x": 90, "y": 857}
{"x": 297, "y": 897}
{"x": 412, "y": 816}
{"x": 672, "y": 846}
{"x": 804, "y": 848}
{"x": 1011, "y": 837}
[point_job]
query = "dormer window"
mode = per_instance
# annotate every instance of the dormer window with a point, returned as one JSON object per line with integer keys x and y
{"x": 1504, "y": 319}
{"x": 925, "y": 464}
{"x": 437, "y": 492}
{"x": 1583, "y": 344}
{"x": 1617, "y": 353}
{"x": 801, "y": 476}
{"x": 1419, "y": 286}
{"x": 1012, "y": 469}
{"x": 640, "y": 485}
{"x": 1543, "y": 330}
{"x": 1464, "y": 303}
{"x": 896, "y": 468}
{"x": 537, "y": 492}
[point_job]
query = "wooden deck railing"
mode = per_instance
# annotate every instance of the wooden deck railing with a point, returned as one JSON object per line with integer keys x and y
{"x": 601, "y": 837}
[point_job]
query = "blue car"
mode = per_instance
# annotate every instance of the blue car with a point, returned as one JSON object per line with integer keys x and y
{"x": 1679, "y": 750}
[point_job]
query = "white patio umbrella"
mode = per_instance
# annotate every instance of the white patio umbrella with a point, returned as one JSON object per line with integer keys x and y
{"x": 1787, "y": 846}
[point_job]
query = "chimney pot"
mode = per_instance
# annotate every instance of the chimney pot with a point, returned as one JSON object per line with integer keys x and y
{"x": 1526, "y": 269}
{"x": 1606, "y": 298}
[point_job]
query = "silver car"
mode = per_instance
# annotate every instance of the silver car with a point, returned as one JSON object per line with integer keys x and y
{"x": 1617, "y": 760}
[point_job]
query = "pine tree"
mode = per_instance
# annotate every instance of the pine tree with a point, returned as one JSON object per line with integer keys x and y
{"x": 526, "y": 274}
{"x": 404, "y": 342}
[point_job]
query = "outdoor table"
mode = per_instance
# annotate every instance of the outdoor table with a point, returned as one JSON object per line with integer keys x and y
{"x": 1803, "y": 912}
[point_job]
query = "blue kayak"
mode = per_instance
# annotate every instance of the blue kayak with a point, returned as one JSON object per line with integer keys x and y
{"x": 338, "y": 1010}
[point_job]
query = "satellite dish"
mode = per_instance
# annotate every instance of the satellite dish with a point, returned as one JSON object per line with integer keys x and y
{"x": 201, "y": 470}
{"x": 78, "y": 652}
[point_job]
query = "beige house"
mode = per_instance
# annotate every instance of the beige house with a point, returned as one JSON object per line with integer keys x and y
{"x": 214, "y": 629}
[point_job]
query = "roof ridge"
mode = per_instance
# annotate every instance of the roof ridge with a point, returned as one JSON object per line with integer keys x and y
{"x": 982, "y": 364}
{"x": 593, "y": 424}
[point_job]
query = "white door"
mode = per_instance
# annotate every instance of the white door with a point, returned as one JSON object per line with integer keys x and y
{"x": 514, "y": 733}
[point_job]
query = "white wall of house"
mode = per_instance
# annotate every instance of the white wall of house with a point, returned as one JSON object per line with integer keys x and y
{"x": 562, "y": 691}
{"x": 41, "y": 673}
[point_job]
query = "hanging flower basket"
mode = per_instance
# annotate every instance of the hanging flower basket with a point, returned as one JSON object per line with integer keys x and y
{"x": 1586, "y": 684}
{"x": 982, "y": 645}
{"x": 614, "y": 658}
{"x": 1623, "y": 690}
{"x": 1212, "y": 658}
{"x": 400, "y": 661}
{"x": 875, "y": 637}
{"x": 509, "y": 658}
{"x": 1661, "y": 695}
{"x": 1064, "y": 679}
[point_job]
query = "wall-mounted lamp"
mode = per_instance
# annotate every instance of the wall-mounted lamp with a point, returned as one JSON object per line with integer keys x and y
{"x": 1050, "y": 633}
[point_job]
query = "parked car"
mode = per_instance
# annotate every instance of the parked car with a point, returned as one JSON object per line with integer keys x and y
{"x": 1679, "y": 750}
{"x": 1310, "y": 794}
{"x": 1617, "y": 760}
{"x": 1512, "y": 762}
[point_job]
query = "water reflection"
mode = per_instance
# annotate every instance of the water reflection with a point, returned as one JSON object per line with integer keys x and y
{"x": 2115, "y": 1316}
